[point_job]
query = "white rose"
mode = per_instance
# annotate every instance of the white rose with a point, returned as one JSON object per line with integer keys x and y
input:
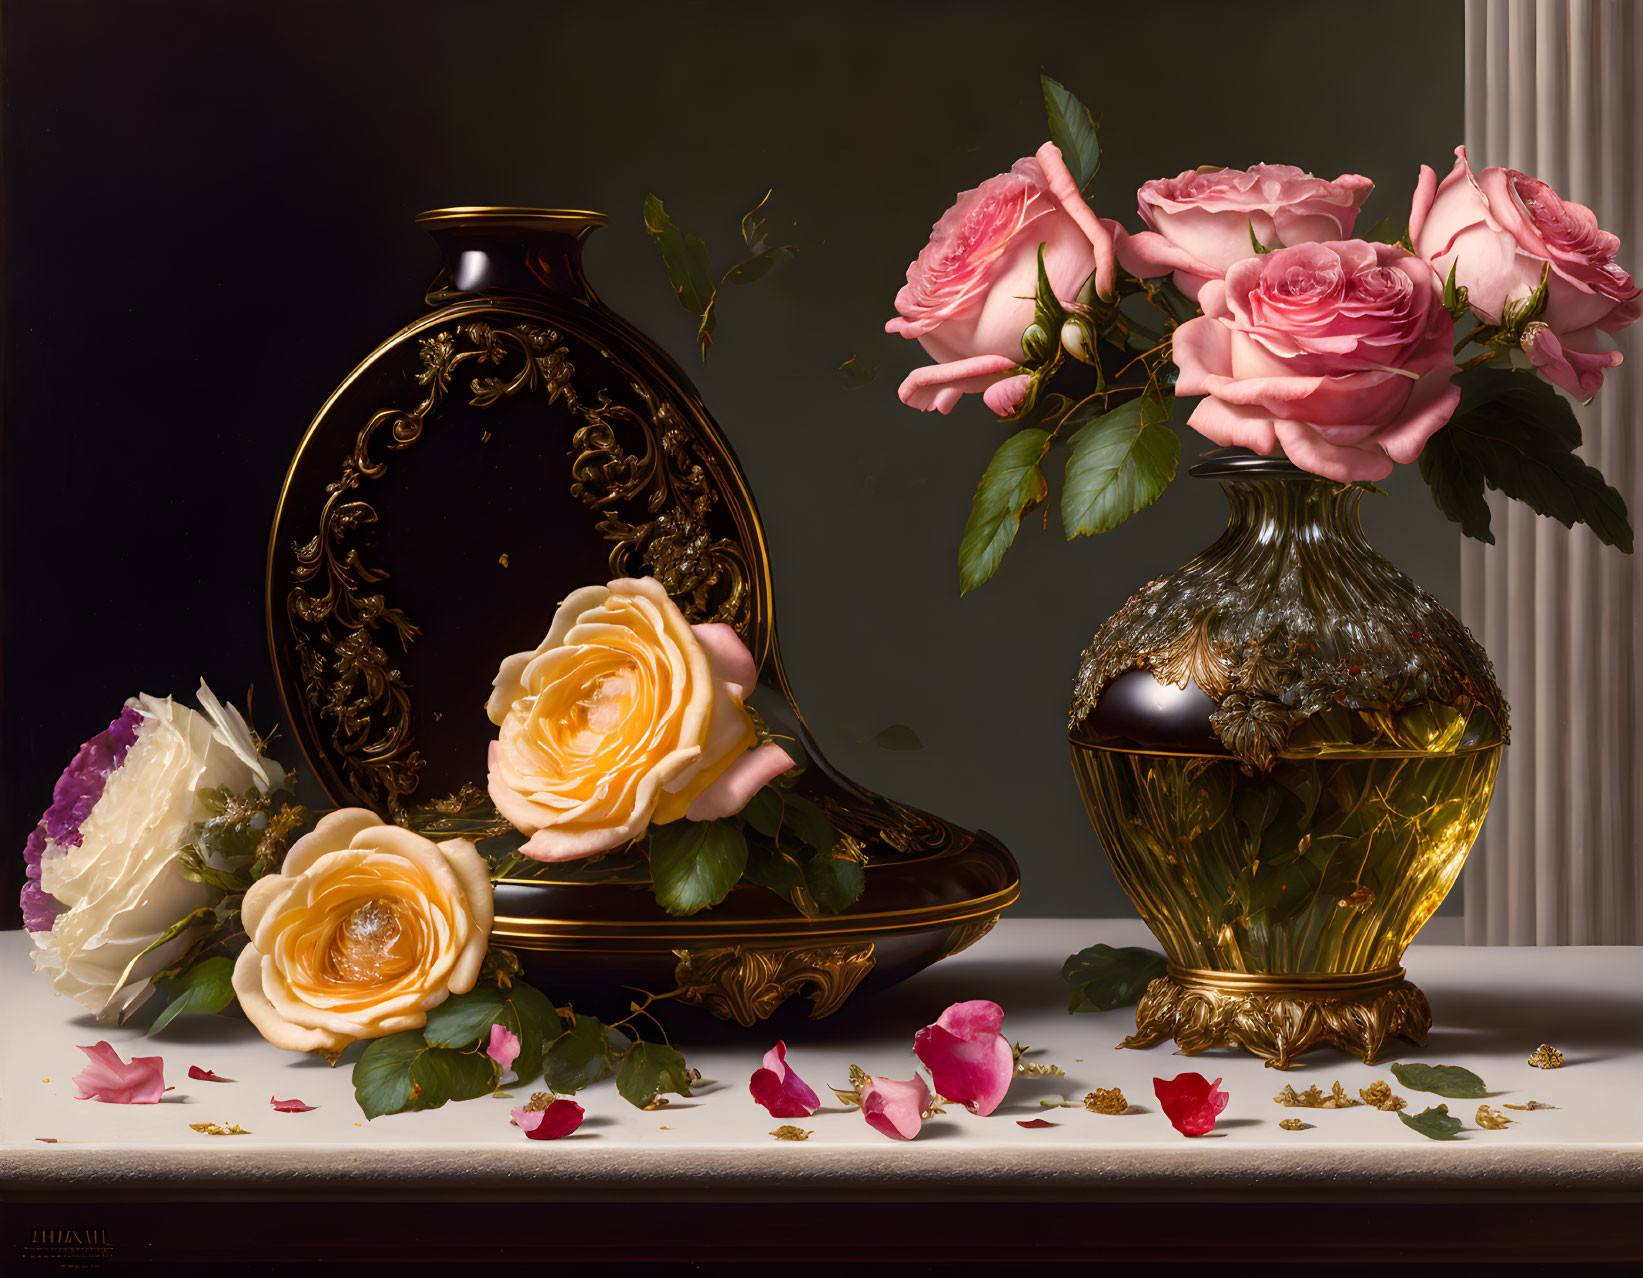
{"x": 119, "y": 887}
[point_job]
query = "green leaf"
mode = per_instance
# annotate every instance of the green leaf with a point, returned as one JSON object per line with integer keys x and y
{"x": 808, "y": 822}
{"x": 758, "y": 266}
{"x": 201, "y": 917}
{"x": 537, "y": 1024}
{"x": 440, "y": 1074}
{"x": 764, "y": 811}
{"x": 1104, "y": 978}
{"x": 465, "y": 1020}
{"x": 1255, "y": 244}
{"x": 1441, "y": 1080}
{"x": 694, "y": 864}
{"x": 835, "y": 881}
{"x": 1119, "y": 463}
{"x": 1455, "y": 297}
{"x": 1073, "y": 131}
{"x": 1434, "y": 1124}
{"x": 382, "y": 1075}
{"x": 854, "y": 373}
{"x": 753, "y": 224}
{"x": 649, "y": 1070}
{"x": 685, "y": 257}
{"x": 1013, "y": 485}
{"x": 205, "y": 987}
{"x": 776, "y": 871}
{"x": 1387, "y": 231}
{"x": 1517, "y": 433}
{"x": 585, "y": 1053}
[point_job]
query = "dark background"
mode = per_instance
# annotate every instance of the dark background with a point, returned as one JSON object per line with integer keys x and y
{"x": 207, "y": 215}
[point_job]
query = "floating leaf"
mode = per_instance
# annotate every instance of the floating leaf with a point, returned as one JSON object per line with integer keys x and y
{"x": 1119, "y": 463}
{"x": 1012, "y": 485}
{"x": 1073, "y": 130}
{"x": 1104, "y": 978}
{"x": 649, "y": 1070}
{"x": 1434, "y": 1124}
{"x": 853, "y": 373}
{"x": 206, "y": 987}
{"x": 897, "y": 736}
{"x": 694, "y": 864}
{"x": 1441, "y": 1080}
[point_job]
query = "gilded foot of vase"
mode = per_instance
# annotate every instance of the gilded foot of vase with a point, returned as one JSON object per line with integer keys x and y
{"x": 1280, "y": 1016}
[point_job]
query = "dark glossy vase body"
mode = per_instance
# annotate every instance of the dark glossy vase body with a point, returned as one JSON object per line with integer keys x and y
{"x": 514, "y": 443}
{"x": 1287, "y": 749}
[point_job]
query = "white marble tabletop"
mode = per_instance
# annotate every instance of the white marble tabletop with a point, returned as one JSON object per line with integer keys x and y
{"x": 1492, "y": 1006}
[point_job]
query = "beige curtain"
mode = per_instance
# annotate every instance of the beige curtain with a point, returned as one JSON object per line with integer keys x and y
{"x": 1553, "y": 88}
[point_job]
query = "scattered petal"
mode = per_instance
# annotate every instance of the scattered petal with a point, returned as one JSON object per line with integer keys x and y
{"x": 1035, "y": 1122}
{"x": 292, "y": 1106}
{"x": 1294, "y": 1125}
{"x": 558, "y": 1118}
{"x": 1546, "y": 1057}
{"x": 1191, "y": 1102}
{"x": 896, "y": 1108}
{"x": 970, "y": 1062}
{"x": 46, "y": 1140}
{"x": 108, "y": 1078}
{"x": 1106, "y": 1100}
{"x": 504, "y": 1047}
{"x": 1535, "y": 1105}
{"x": 788, "y": 1132}
{"x": 207, "y": 1075}
{"x": 780, "y": 1090}
{"x": 1492, "y": 1119}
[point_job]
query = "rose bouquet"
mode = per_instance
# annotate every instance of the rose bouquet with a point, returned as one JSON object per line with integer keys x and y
{"x": 1437, "y": 341}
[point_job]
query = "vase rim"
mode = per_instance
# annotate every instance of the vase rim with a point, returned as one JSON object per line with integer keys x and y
{"x": 1243, "y": 463}
{"x": 513, "y": 217}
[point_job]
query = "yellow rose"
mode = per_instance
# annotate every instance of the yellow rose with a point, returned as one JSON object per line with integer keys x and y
{"x": 364, "y": 929}
{"x": 626, "y": 714}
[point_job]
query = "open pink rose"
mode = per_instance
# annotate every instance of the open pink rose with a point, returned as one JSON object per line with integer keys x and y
{"x": 108, "y": 1078}
{"x": 969, "y": 1061}
{"x": 1340, "y": 352}
{"x": 1500, "y": 230}
{"x": 1200, "y": 221}
{"x": 779, "y": 1089}
{"x": 970, "y": 294}
{"x": 895, "y": 1108}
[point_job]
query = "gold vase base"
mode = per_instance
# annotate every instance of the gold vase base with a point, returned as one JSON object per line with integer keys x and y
{"x": 1279, "y": 1017}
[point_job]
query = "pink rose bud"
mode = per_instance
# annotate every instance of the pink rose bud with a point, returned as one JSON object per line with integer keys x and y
{"x": 1191, "y": 1102}
{"x": 779, "y": 1089}
{"x": 504, "y": 1047}
{"x": 969, "y": 1061}
{"x": 895, "y": 1108}
{"x": 110, "y": 1079}
{"x": 560, "y": 1118}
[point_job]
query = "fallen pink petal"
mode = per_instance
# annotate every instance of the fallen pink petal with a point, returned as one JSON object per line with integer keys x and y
{"x": 206, "y": 1075}
{"x": 560, "y": 1118}
{"x": 895, "y": 1108}
{"x": 110, "y": 1079}
{"x": 970, "y": 1062}
{"x": 779, "y": 1089}
{"x": 1191, "y": 1102}
{"x": 504, "y": 1047}
{"x": 1035, "y": 1122}
{"x": 292, "y": 1106}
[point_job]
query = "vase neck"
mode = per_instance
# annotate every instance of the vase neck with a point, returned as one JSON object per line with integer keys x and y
{"x": 493, "y": 251}
{"x": 1292, "y": 513}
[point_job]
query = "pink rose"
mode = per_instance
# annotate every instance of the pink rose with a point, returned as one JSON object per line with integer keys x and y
{"x": 1500, "y": 230}
{"x": 970, "y": 295}
{"x": 1201, "y": 220}
{"x": 1340, "y": 352}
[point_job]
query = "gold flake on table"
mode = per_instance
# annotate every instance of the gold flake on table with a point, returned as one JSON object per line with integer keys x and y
{"x": 1032, "y": 1069}
{"x": 1379, "y": 1094}
{"x": 1106, "y": 1100}
{"x": 1492, "y": 1119}
{"x": 1546, "y": 1057}
{"x": 503, "y": 560}
{"x": 788, "y": 1132}
{"x": 1294, "y": 1125}
{"x": 1534, "y": 1105}
{"x": 1313, "y": 1098}
{"x": 218, "y": 1129}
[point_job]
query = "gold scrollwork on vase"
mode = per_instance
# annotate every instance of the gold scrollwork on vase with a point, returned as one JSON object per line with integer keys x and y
{"x": 967, "y": 933}
{"x": 745, "y": 985}
{"x": 342, "y": 625}
{"x": 1277, "y": 1024}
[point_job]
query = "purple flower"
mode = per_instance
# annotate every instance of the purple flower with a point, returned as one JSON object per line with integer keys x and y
{"x": 72, "y": 800}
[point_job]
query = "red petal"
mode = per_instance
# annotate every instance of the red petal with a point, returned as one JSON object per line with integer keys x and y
{"x": 292, "y": 1106}
{"x": 207, "y": 1075}
{"x": 559, "y": 1119}
{"x": 1191, "y": 1102}
{"x": 1034, "y": 1122}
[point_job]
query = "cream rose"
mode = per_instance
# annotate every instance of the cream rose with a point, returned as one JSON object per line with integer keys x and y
{"x": 365, "y": 928}
{"x": 102, "y": 880}
{"x": 625, "y": 714}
